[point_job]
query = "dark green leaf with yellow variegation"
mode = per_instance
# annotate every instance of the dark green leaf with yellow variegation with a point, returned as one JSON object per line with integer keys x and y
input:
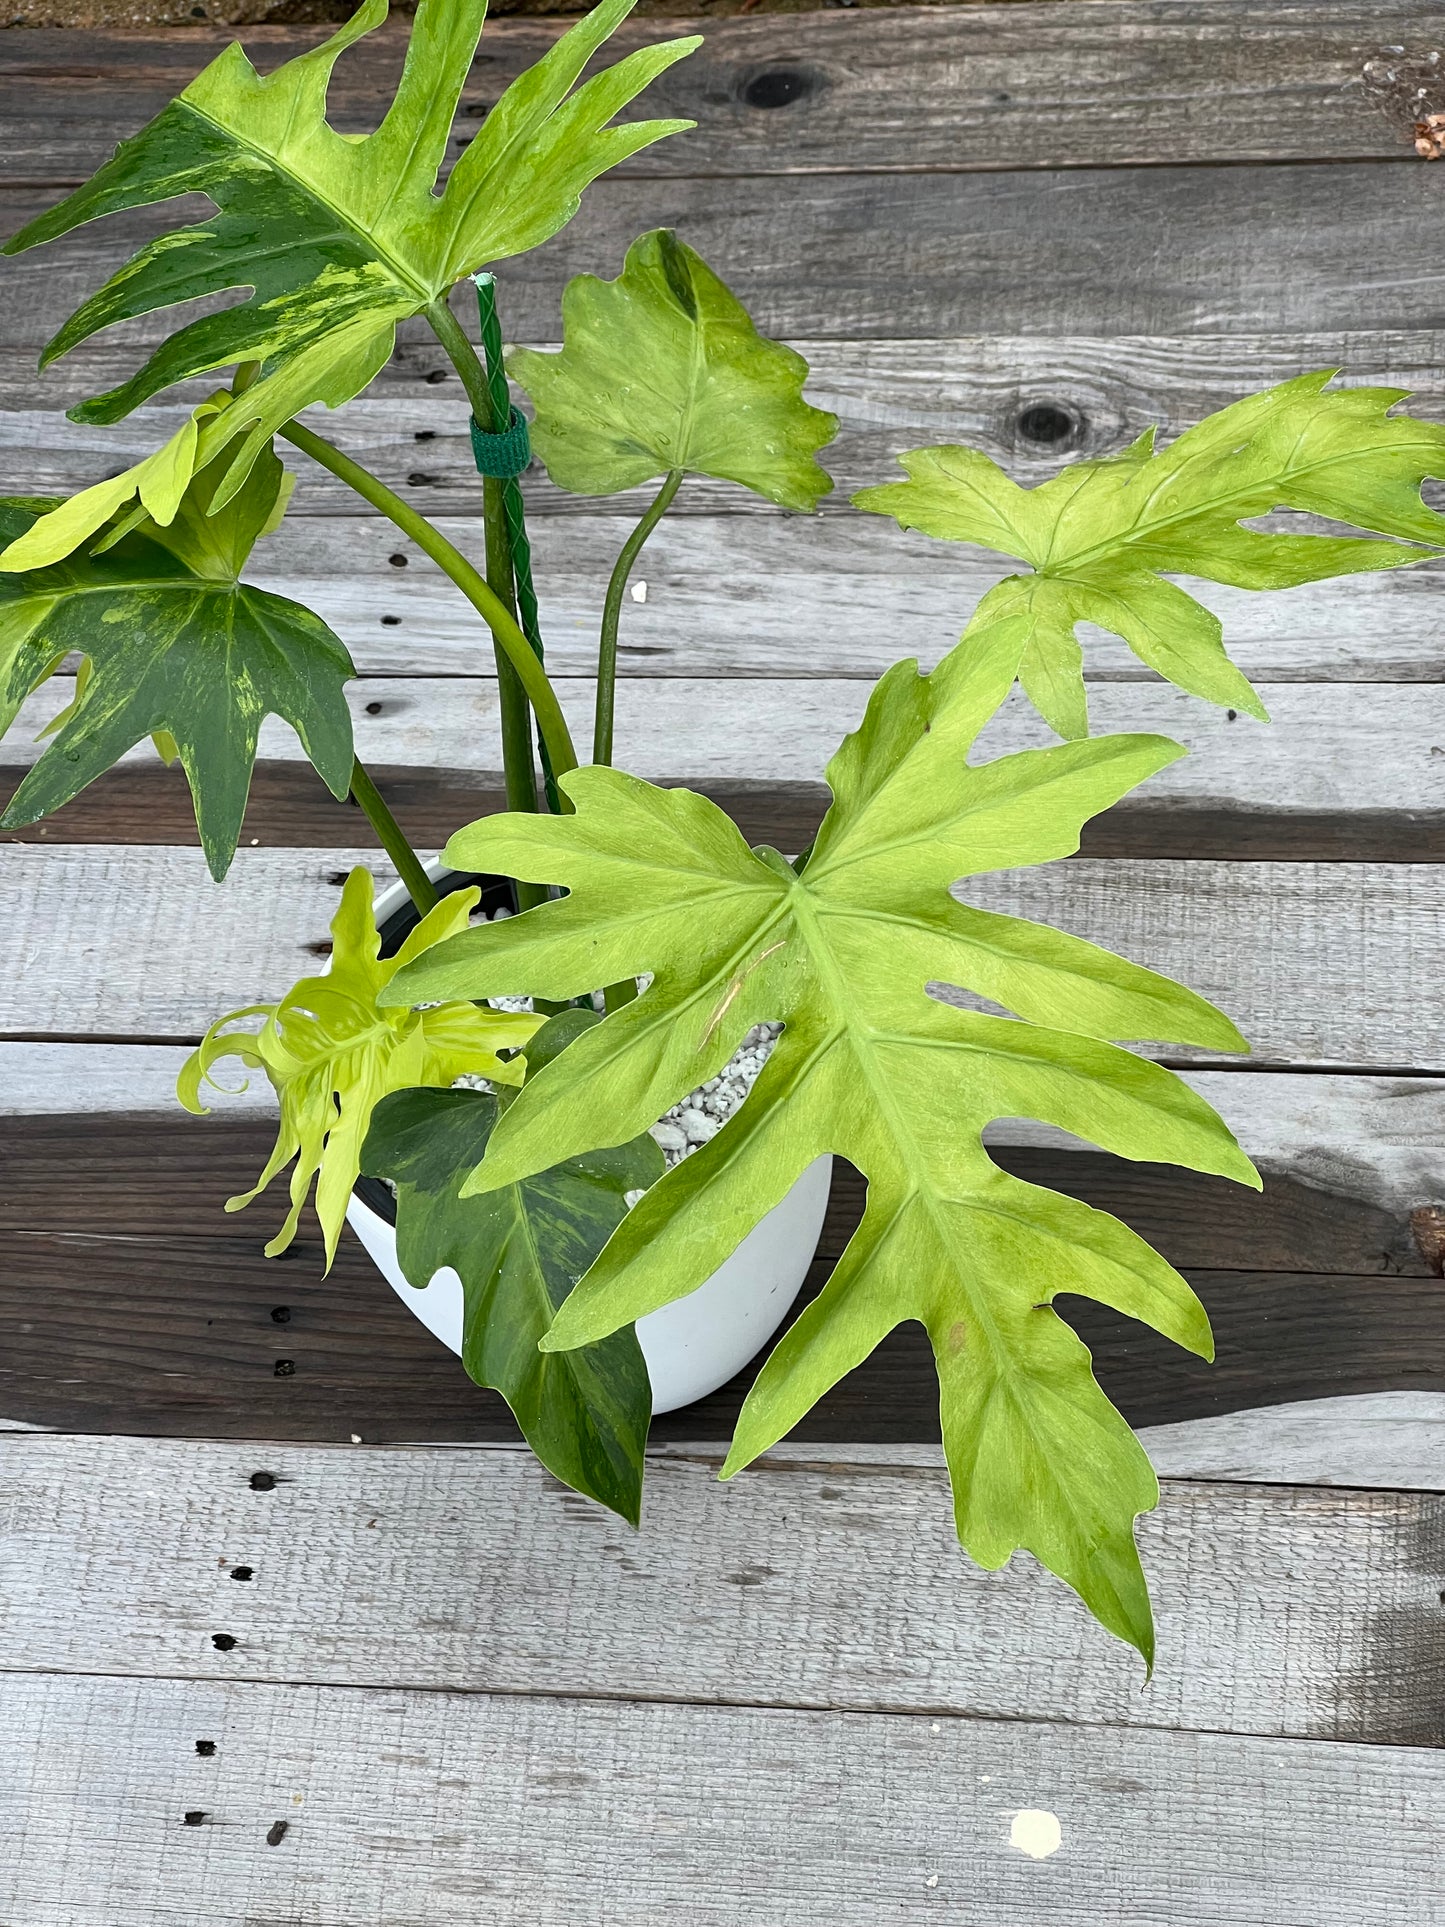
{"x": 869, "y": 1066}
{"x": 1102, "y": 535}
{"x": 179, "y": 647}
{"x": 341, "y": 238}
{"x": 662, "y": 370}
{"x": 519, "y": 1251}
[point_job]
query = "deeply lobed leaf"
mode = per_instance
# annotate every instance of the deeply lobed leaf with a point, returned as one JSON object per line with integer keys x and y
{"x": 662, "y": 370}
{"x": 177, "y": 646}
{"x": 331, "y": 1054}
{"x": 871, "y": 1067}
{"x": 1098, "y": 535}
{"x": 338, "y": 239}
{"x": 518, "y": 1252}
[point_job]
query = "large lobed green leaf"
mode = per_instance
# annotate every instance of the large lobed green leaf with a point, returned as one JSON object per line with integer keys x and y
{"x": 338, "y": 238}
{"x": 1101, "y": 535}
{"x": 871, "y": 1067}
{"x": 662, "y": 370}
{"x": 177, "y": 646}
{"x": 519, "y": 1251}
{"x": 331, "y": 1054}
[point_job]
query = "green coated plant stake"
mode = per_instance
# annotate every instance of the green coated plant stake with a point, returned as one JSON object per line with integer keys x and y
{"x": 503, "y": 452}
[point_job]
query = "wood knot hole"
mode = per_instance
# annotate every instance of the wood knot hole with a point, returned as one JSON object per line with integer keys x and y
{"x": 777, "y": 87}
{"x": 1051, "y": 425}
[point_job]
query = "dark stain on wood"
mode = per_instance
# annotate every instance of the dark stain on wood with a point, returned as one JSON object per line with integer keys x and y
{"x": 290, "y": 808}
{"x": 116, "y": 1324}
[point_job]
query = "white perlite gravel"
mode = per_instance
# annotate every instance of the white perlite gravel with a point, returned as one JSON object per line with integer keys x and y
{"x": 703, "y": 1113}
{"x": 698, "y": 1116}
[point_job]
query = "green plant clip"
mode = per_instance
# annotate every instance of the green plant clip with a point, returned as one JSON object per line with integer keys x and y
{"x": 504, "y": 456}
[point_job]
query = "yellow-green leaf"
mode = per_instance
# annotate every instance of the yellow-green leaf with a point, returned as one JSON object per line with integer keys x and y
{"x": 662, "y": 370}
{"x": 869, "y": 1066}
{"x": 332, "y": 1054}
{"x": 339, "y": 238}
{"x": 1101, "y": 535}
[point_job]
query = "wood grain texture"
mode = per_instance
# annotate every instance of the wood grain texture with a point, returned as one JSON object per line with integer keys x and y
{"x": 1352, "y": 772}
{"x": 1379, "y": 1438}
{"x": 1089, "y": 250}
{"x": 1378, "y": 1142}
{"x": 290, "y": 808}
{"x": 1317, "y": 962}
{"x": 474, "y": 1570}
{"x": 473, "y": 1810}
{"x": 889, "y": 395}
{"x": 1330, "y": 964}
{"x": 1394, "y": 1440}
{"x": 1035, "y": 85}
{"x": 731, "y": 596}
{"x": 132, "y": 1324}
{"x": 1332, "y": 748}
{"x": 128, "y": 1173}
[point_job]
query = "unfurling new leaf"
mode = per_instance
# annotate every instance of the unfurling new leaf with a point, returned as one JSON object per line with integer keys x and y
{"x": 340, "y": 238}
{"x": 1101, "y": 535}
{"x": 519, "y": 1251}
{"x": 178, "y": 648}
{"x": 662, "y": 371}
{"x": 331, "y": 1054}
{"x": 871, "y": 1067}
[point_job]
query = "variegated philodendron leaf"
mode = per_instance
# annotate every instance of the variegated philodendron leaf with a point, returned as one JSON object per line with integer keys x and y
{"x": 519, "y": 1251}
{"x": 339, "y": 238}
{"x": 178, "y": 647}
{"x": 871, "y": 1067}
{"x": 662, "y": 370}
{"x": 331, "y": 1054}
{"x": 1101, "y": 536}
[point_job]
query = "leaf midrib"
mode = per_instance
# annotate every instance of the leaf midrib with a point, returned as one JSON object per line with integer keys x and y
{"x": 402, "y": 275}
{"x": 1211, "y": 504}
{"x": 862, "y": 1038}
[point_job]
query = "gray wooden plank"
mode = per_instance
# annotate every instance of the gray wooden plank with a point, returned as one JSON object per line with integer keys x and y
{"x": 1123, "y": 250}
{"x": 889, "y": 395}
{"x": 1329, "y": 964}
{"x": 467, "y": 1810}
{"x": 1033, "y": 85}
{"x": 1331, "y": 746}
{"x": 1317, "y": 962}
{"x": 824, "y": 597}
{"x": 1376, "y": 1438}
{"x": 426, "y": 1567}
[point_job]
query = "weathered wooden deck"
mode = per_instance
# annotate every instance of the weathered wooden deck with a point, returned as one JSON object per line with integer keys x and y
{"x": 290, "y": 1632}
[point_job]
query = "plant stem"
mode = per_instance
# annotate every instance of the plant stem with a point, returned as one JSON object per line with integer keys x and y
{"x": 409, "y": 866}
{"x": 463, "y": 357}
{"x": 516, "y": 719}
{"x": 451, "y": 561}
{"x": 612, "y": 613}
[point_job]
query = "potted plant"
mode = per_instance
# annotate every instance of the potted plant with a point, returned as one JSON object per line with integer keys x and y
{"x": 605, "y": 979}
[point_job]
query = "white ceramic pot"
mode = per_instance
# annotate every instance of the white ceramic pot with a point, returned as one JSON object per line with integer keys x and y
{"x": 691, "y": 1346}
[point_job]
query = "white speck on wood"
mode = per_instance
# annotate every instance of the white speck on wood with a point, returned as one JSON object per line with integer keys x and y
{"x": 1035, "y": 1832}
